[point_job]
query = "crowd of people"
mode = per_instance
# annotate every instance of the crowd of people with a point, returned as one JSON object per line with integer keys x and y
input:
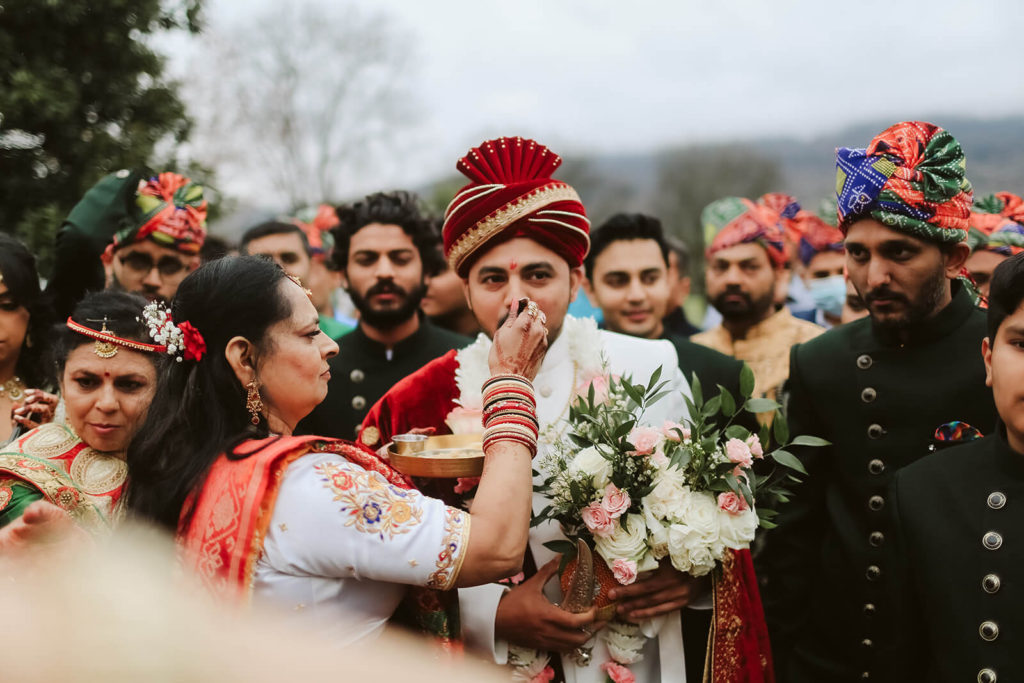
{"x": 242, "y": 398}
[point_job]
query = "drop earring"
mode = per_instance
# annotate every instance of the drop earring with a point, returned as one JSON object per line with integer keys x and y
{"x": 253, "y": 402}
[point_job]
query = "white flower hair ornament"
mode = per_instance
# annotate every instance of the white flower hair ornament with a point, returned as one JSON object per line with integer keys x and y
{"x": 183, "y": 341}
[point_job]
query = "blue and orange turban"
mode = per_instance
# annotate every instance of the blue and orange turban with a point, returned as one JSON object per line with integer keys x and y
{"x": 817, "y": 236}
{"x": 737, "y": 220}
{"x": 910, "y": 178}
{"x": 997, "y": 224}
{"x": 511, "y": 194}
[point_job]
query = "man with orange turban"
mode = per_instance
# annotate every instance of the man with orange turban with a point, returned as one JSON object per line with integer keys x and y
{"x": 135, "y": 231}
{"x": 512, "y": 233}
{"x": 746, "y": 274}
{"x": 876, "y": 389}
{"x": 996, "y": 233}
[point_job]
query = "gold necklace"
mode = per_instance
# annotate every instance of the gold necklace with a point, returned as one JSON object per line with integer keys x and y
{"x": 13, "y": 388}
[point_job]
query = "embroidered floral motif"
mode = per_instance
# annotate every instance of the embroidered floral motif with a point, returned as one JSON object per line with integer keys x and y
{"x": 453, "y": 550}
{"x": 6, "y": 493}
{"x": 372, "y": 506}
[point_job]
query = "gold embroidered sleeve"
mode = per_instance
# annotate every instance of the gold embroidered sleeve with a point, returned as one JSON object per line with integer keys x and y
{"x": 453, "y": 550}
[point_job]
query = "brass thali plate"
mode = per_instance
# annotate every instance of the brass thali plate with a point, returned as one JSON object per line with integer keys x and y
{"x": 443, "y": 457}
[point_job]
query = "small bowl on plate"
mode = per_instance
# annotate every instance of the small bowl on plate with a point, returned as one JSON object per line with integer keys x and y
{"x": 448, "y": 456}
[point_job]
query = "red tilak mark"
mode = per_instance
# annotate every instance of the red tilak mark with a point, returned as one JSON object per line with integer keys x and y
{"x": 513, "y": 265}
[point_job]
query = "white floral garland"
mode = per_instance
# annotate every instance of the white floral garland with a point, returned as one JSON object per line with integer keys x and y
{"x": 586, "y": 350}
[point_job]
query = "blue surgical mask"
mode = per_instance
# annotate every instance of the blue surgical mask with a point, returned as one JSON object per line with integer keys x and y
{"x": 829, "y": 293}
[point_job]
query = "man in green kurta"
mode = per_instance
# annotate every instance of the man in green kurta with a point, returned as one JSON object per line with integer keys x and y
{"x": 877, "y": 389}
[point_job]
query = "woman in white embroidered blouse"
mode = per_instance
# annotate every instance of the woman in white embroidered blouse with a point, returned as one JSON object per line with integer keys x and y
{"x": 346, "y": 535}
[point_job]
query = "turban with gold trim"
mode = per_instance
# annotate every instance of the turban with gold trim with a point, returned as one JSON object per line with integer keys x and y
{"x": 910, "y": 178}
{"x": 512, "y": 194}
{"x": 997, "y": 224}
{"x": 736, "y": 220}
{"x": 171, "y": 213}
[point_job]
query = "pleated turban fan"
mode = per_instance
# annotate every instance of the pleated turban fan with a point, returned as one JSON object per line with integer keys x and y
{"x": 736, "y": 220}
{"x": 912, "y": 178}
{"x": 997, "y": 224}
{"x": 511, "y": 194}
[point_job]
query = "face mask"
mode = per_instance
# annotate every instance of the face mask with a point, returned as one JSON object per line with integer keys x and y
{"x": 829, "y": 293}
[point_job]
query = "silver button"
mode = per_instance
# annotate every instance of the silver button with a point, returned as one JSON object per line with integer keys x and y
{"x": 876, "y": 466}
{"x": 873, "y": 573}
{"x": 865, "y": 676}
{"x": 356, "y": 430}
{"x": 545, "y": 391}
{"x": 996, "y": 500}
{"x": 992, "y": 540}
{"x": 875, "y": 431}
{"x": 358, "y": 402}
{"x": 357, "y": 375}
{"x": 986, "y": 676}
{"x": 876, "y": 538}
{"x": 868, "y": 395}
{"x": 988, "y": 631}
{"x": 867, "y": 644}
{"x": 990, "y": 584}
{"x": 864, "y": 361}
{"x": 869, "y": 609}
{"x": 876, "y": 503}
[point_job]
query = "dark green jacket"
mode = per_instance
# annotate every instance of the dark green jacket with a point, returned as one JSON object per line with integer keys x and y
{"x": 364, "y": 370}
{"x": 879, "y": 403}
{"x": 958, "y": 566}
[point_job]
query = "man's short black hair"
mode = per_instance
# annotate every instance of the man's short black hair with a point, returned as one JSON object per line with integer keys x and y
{"x": 273, "y": 228}
{"x": 682, "y": 252}
{"x": 1005, "y": 293}
{"x": 389, "y": 208}
{"x": 625, "y": 226}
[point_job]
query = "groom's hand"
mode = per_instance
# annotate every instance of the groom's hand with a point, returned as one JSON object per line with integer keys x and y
{"x": 660, "y": 592}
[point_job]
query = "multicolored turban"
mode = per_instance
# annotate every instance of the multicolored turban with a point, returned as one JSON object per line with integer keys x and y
{"x": 997, "y": 224}
{"x": 817, "y": 236}
{"x": 317, "y": 223}
{"x": 171, "y": 213}
{"x": 737, "y": 220}
{"x": 512, "y": 194}
{"x": 787, "y": 208}
{"x": 911, "y": 178}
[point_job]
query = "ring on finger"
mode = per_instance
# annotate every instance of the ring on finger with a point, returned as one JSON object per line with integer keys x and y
{"x": 532, "y": 309}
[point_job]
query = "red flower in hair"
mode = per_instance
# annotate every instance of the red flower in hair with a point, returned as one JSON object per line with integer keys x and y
{"x": 195, "y": 345}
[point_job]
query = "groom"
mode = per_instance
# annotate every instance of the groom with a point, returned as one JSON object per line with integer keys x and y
{"x": 515, "y": 232}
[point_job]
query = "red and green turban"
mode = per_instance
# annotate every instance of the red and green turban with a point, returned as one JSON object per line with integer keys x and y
{"x": 736, "y": 220}
{"x": 997, "y": 224}
{"x": 171, "y": 212}
{"x": 910, "y": 178}
{"x": 511, "y": 194}
{"x": 317, "y": 224}
{"x": 817, "y": 236}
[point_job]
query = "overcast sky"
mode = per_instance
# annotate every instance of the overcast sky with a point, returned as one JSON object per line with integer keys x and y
{"x": 634, "y": 75}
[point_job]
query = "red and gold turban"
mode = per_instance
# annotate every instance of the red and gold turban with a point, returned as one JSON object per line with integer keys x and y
{"x": 816, "y": 236}
{"x": 997, "y": 224}
{"x": 512, "y": 194}
{"x": 737, "y": 220}
{"x": 171, "y": 212}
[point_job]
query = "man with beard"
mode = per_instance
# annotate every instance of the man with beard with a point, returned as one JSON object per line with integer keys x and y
{"x": 133, "y": 231}
{"x": 877, "y": 389}
{"x": 514, "y": 233}
{"x": 745, "y": 271}
{"x": 383, "y": 249}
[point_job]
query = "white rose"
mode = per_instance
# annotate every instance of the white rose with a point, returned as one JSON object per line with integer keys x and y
{"x": 700, "y": 513}
{"x": 737, "y": 531}
{"x": 668, "y": 494}
{"x": 625, "y": 642}
{"x": 589, "y": 461}
{"x": 657, "y": 533}
{"x": 628, "y": 542}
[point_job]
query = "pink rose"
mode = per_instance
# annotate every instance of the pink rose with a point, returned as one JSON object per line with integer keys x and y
{"x": 545, "y": 676}
{"x": 618, "y": 673}
{"x": 732, "y": 503}
{"x": 466, "y": 484}
{"x": 755, "y": 446}
{"x": 624, "y": 571}
{"x": 615, "y": 501}
{"x": 669, "y": 430}
{"x": 598, "y": 520}
{"x": 600, "y": 384}
{"x": 644, "y": 439}
{"x": 739, "y": 452}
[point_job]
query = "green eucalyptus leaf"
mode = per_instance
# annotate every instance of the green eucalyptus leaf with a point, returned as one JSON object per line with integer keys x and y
{"x": 746, "y": 381}
{"x": 805, "y": 440}
{"x": 760, "y": 405}
{"x": 781, "y": 429}
{"x": 564, "y": 547}
{"x": 654, "y": 379}
{"x": 728, "y": 402}
{"x": 737, "y": 432}
{"x": 695, "y": 389}
{"x": 712, "y": 407}
{"x": 787, "y": 459}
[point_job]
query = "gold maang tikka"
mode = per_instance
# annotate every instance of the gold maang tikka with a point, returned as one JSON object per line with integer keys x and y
{"x": 104, "y": 349}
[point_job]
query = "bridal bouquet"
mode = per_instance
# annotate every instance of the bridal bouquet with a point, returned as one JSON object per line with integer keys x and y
{"x": 684, "y": 492}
